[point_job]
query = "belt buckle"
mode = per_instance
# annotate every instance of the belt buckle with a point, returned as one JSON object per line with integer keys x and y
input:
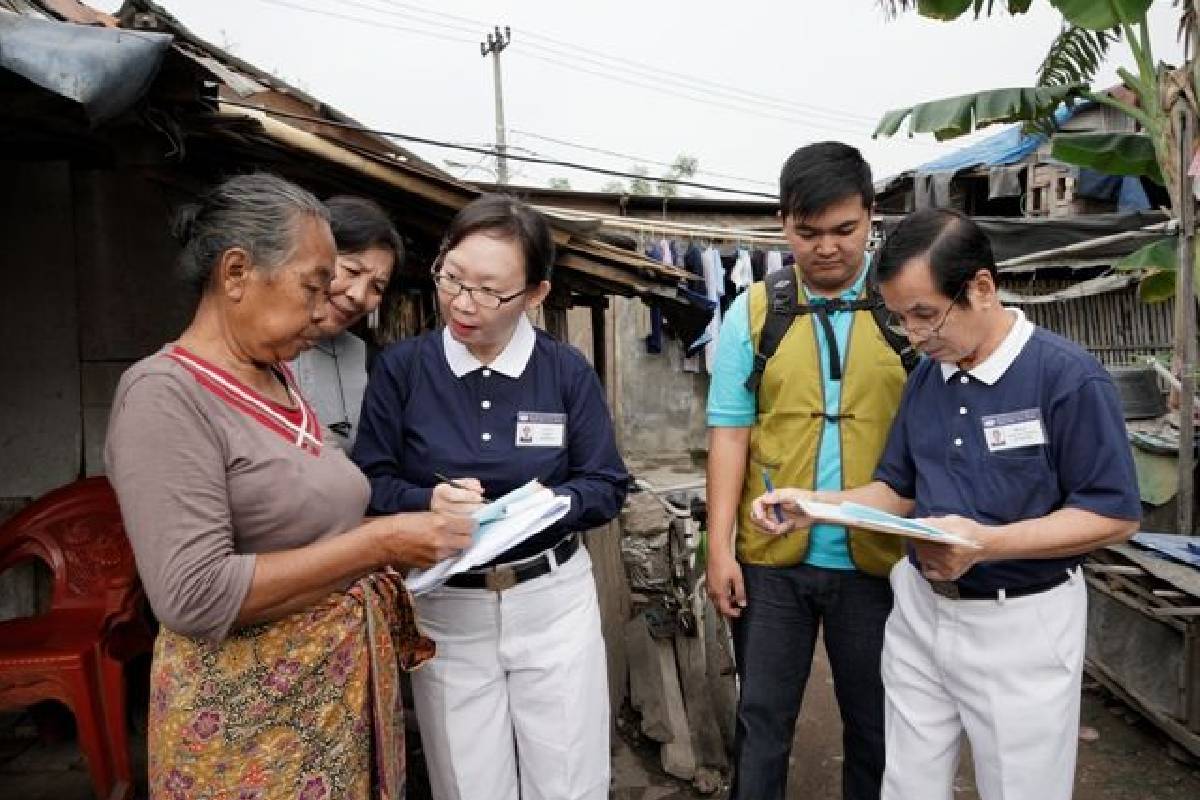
{"x": 947, "y": 589}
{"x": 500, "y": 579}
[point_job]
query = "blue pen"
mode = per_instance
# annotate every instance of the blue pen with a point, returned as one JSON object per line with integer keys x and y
{"x": 770, "y": 488}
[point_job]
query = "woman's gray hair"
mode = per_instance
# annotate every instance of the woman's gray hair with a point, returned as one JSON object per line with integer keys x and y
{"x": 260, "y": 213}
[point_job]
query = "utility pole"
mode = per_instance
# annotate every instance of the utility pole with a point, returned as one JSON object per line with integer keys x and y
{"x": 494, "y": 46}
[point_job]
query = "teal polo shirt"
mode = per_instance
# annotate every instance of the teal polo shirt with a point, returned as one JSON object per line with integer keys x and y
{"x": 731, "y": 405}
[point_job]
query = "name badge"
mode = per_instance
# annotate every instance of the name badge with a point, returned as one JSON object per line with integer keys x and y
{"x": 1013, "y": 430}
{"x": 541, "y": 430}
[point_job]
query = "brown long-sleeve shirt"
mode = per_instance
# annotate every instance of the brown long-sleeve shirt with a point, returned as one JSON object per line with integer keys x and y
{"x": 208, "y": 474}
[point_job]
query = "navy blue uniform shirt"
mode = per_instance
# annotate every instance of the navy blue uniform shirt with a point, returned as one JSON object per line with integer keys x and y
{"x": 419, "y": 418}
{"x": 966, "y": 443}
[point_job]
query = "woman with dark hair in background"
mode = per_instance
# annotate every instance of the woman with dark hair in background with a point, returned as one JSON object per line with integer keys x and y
{"x": 275, "y": 669}
{"x": 333, "y": 373}
{"x": 516, "y": 704}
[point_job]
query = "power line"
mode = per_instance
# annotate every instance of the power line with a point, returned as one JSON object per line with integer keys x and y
{"x": 406, "y": 137}
{"x": 628, "y": 157}
{"x": 349, "y": 18}
{"x": 799, "y": 121}
{"x": 643, "y": 71}
{"x": 654, "y": 81}
{"x": 573, "y": 51}
{"x": 569, "y": 65}
{"x": 666, "y": 81}
{"x": 749, "y": 112}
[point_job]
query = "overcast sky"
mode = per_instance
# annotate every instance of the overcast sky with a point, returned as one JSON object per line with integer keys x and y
{"x": 738, "y": 85}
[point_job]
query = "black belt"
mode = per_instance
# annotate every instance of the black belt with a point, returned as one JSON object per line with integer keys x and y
{"x": 954, "y": 591}
{"x": 506, "y": 576}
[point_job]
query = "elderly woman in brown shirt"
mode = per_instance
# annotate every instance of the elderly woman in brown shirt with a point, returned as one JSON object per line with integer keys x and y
{"x": 283, "y": 616}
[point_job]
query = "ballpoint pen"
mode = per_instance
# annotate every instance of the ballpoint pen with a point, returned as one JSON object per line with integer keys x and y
{"x": 766, "y": 476}
{"x": 452, "y": 482}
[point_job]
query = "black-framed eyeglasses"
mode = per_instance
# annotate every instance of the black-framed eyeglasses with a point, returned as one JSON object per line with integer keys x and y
{"x": 924, "y": 331}
{"x": 484, "y": 298}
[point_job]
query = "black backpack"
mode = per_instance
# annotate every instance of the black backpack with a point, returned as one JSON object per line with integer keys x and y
{"x": 783, "y": 306}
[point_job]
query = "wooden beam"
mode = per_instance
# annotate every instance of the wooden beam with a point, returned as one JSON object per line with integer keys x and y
{"x": 335, "y": 153}
{"x": 1185, "y": 333}
{"x": 600, "y": 344}
{"x": 1167, "y": 724}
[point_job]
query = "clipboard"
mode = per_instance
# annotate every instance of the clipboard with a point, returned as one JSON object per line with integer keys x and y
{"x": 503, "y": 523}
{"x": 855, "y": 515}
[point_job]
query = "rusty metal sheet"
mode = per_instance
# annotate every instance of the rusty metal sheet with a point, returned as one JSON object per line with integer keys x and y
{"x": 105, "y": 70}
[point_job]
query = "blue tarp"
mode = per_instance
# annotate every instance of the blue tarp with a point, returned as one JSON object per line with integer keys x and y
{"x": 1012, "y": 146}
{"x": 1184, "y": 549}
{"x": 1007, "y": 147}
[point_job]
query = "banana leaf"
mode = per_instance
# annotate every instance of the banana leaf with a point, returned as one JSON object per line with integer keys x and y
{"x": 1162, "y": 256}
{"x": 1098, "y": 15}
{"x": 1157, "y": 287}
{"x": 1110, "y": 153}
{"x": 955, "y": 116}
{"x": 953, "y": 9}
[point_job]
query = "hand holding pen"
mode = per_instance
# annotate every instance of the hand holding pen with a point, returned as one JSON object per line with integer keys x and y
{"x": 770, "y": 487}
{"x": 461, "y": 496}
{"x": 778, "y": 512}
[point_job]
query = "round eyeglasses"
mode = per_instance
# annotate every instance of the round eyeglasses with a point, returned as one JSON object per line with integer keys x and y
{"x": 484, "y": 298}
{"x": 924, "y": 331}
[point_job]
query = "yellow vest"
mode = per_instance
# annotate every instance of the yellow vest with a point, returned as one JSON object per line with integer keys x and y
{"x": 786, "y": 437}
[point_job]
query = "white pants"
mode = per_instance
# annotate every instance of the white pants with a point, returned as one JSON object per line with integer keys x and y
{"x": 515, "y": 705}
{"x": 1007, "y": 672}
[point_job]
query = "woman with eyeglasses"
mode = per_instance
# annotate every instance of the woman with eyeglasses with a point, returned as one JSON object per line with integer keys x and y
{"x": 516, "y": 703}
{"x": 333, "y": 373}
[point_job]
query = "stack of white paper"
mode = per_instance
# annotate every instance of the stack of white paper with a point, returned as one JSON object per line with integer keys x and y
{"x": 503, "y": 523}
{"x": 860, "y": 516}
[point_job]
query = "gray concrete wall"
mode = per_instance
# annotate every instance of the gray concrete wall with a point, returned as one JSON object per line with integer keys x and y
{"x": 660, "y": 408}
{"x": 132, "y": 301}
{"x": 41, "y": 431}
{"x": 89, "y": 288}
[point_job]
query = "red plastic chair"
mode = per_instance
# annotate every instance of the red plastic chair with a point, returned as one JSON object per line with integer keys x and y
{"x": 75, "y": 653}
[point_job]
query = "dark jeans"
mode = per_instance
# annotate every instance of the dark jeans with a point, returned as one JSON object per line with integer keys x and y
{"x": 773, "y": 641}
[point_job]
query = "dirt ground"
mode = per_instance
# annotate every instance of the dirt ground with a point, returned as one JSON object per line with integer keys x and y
{"x": 1129, "y": 760}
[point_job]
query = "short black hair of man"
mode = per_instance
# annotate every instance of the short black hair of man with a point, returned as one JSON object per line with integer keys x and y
{"x": 953, "y": 244}
{"x": 818, "y": 175}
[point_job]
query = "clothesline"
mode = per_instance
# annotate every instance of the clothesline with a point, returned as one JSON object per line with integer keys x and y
{"x": 708, "y": 263}
{"x": 691, "y": 230}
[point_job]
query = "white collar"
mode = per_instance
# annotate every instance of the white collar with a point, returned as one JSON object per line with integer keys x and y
{"x": 512, "y": 359}
{"x": 992, "y": 368}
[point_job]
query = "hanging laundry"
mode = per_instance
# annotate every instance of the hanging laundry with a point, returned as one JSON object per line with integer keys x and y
{"x": 742, "y": 273}
{"x": 728, "y": 259}
{"x": 758, "y": 264}
{"x": 667, "y": 256}
{"x": 714, "y": 283}
{"x": 654, "y": 340}
{"x": 693, "y": 260}
{"x": 774, "y": 261}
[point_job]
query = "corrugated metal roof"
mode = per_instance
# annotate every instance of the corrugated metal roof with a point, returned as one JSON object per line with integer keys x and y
{"x": 285, "y": 117}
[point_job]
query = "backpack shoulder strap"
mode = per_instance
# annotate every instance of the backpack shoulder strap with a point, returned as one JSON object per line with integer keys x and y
{"x": 782, "y": 308}
{"x": 873, "y": 302}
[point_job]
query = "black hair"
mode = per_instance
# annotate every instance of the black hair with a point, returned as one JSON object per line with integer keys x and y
{"x": 259, "y": 213}
{"x": 818, "y": 175}
{"x": 360, "y": 224}
{"x": 953, "y": 244}
{"x": 509, "y": 218}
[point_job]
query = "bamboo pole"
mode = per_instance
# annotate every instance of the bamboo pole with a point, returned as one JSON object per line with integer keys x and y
{"x": 1186, "y": 333}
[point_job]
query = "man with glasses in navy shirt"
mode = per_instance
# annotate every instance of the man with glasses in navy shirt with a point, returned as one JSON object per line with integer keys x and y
{"x": 1011, "y": 437}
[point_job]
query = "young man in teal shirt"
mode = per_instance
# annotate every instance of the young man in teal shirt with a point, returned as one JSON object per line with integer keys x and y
{"x": 819, "y": 418}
